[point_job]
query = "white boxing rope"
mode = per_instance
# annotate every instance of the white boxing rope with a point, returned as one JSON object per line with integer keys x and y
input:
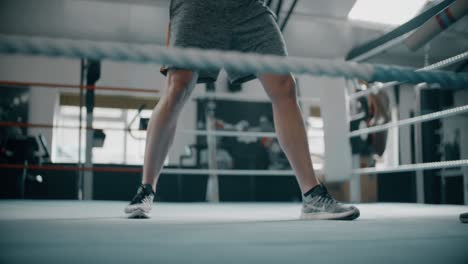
{"x": 409, "y": 121}
{"x": 374, "y": 89}
{"x": 212, "y": 59}
{"x": 414, "y": 167}
{"x": 447, "y": 62}
{"x": 248, "y": 98}
{"x": 230, "y": 172}
{"x": 220, "y": 133}
{"x": 235, "y": 133}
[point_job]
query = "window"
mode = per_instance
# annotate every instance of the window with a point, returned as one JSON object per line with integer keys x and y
{"x": 120, "y": 146}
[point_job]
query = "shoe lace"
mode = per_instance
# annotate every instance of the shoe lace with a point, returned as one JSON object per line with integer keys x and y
{"x": 141, "y": 196}
{"x": 326, "y": 199}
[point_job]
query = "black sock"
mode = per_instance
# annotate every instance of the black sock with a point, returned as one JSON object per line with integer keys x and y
{"x": 311, "y": 190}
{"x": 148, "y": 187}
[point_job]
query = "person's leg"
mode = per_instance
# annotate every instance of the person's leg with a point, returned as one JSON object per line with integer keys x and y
{"x": 163, "y": 122}
{"x": 256, "y": 31}
{"x": 290, "y": 127}
{"x": 160, "y": 135}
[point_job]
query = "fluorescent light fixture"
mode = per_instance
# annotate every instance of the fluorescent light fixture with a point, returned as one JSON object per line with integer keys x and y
{"x": 390, "y": 12}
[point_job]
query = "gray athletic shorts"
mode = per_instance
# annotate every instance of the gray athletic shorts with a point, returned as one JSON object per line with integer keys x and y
{"x": 236, "y": 25}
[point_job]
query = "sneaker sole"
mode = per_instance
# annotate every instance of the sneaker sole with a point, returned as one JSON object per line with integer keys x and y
{"x": 464, "y": 220}
{"x": 138, "y": 214}
{"x": 328, "y": 216}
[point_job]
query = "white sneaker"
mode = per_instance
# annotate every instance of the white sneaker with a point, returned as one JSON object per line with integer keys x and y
{"x": 320, "y": 205}
{"x": 141, "y": 204}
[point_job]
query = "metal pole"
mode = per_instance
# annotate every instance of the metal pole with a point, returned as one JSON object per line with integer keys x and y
{"x": 418, "y": 149}
{"x": 418, "y": 134}
{"x": 395, "y": 131}
{"x": 212, "y": 189}
{"x": 22, "y": 180}
{"x": 279, "y": 6}
{"x": 290, "y": 11}
{"x": 80, "y": 172}
{"x": 88, "y": 175}
{"x": 93, "y": 74}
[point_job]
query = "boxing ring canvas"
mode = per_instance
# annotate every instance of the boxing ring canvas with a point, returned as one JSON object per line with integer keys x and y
{"x": 98, "y": 232}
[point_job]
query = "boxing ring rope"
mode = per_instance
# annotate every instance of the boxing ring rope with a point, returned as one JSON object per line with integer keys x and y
{"x": 438, "y": 65}
{"x": 235, "y": 61}
{"x": 165, "y": 171}
{"x": 374, "y": 89}
{"x": 414, "y": 167}
{"x": 209, "y": 95}
{"x": 447, "y": 62}
{"x": 418, "y": 167}
{"x": 218, "y": 133}
{"x": 413, "y": 120}
{"x": 231, "y": 133}
{"x": 254, "y": 63}
{"x": 76, "y": 86}
{"x": 234, "y": 97}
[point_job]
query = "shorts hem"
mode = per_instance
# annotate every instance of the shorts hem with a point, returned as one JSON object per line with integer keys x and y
{"x": 203, "y": 79}
{"x": 244, "y": 79}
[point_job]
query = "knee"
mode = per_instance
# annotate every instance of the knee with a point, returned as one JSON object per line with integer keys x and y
{"x": 180, "y": 85}
{"x": 283, "y": 90}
